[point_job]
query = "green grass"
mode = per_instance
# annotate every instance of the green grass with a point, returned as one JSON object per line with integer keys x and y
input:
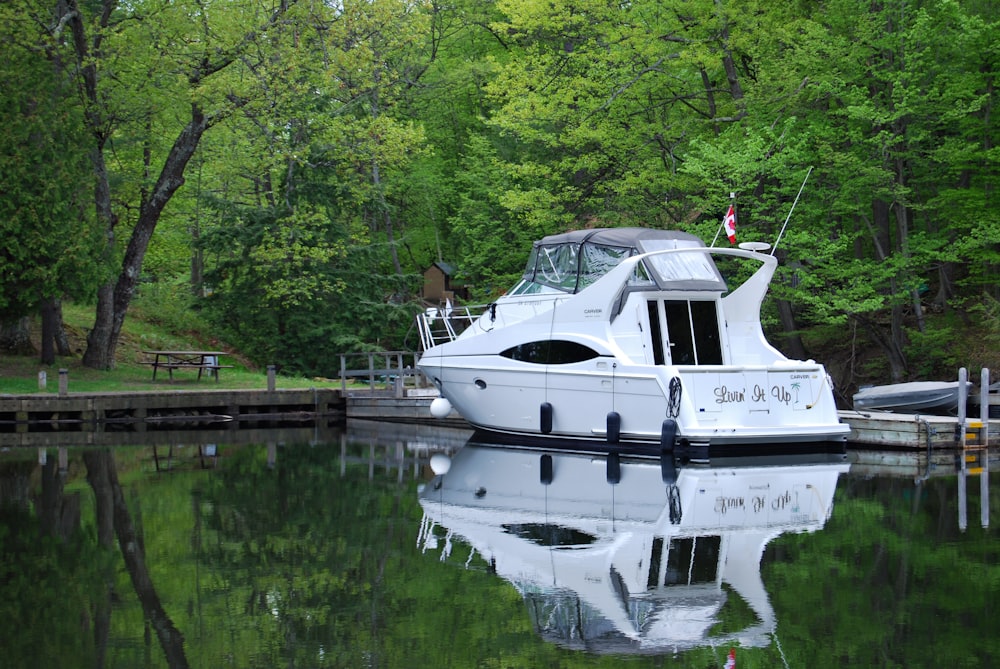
{"x": 20, "y": 374}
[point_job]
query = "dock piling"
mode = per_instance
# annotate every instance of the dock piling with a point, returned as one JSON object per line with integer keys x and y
{"x": 973, "y": 459}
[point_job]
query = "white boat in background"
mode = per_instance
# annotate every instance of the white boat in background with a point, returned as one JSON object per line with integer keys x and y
{"x": 637, "y": 567}
{"x": 936, "y": 397}
{"x": 632, "y": 336}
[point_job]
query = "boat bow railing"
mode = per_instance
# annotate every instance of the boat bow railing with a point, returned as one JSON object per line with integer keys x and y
{"x": 442, "y": 325}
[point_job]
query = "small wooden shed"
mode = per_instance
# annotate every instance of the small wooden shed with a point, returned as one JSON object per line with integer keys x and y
{"x": 438, "y": 285}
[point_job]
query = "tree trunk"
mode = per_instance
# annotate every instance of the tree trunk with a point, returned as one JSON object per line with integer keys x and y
{"x": 793, "y": 346}
{"x": 893, "y": 354}
{"x": 113, "y": 299}
{"x": 61, "y": 340}
{"x": 895, "y": 343}
{"x": 104, "y": 479}
{"x": 48, "y": 312}
{"x": 97, "y": 477}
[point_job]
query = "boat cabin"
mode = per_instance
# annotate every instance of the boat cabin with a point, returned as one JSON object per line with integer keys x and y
{"x": 572, "y": 261}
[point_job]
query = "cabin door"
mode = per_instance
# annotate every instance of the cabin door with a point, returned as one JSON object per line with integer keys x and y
{"x": 685, "y": 332}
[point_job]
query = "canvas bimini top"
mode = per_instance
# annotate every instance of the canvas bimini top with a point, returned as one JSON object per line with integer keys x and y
{"x": 571, "y": 261}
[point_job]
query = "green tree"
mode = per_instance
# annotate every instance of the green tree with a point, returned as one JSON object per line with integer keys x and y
{"x": 144, "y": 76}
{"x": 52, "y": 243}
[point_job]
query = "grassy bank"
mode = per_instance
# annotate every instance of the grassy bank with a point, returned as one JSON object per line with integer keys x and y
{"x": 20, "y": 374}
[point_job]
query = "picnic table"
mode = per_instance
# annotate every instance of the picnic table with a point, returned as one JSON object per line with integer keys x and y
{"x": 203, "y": 361}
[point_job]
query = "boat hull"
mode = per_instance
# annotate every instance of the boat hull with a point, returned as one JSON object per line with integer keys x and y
{"x": 940, "y": 397}
{"x": 607, "y": 401}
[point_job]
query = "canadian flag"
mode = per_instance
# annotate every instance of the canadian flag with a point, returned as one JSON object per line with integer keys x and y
{"x": 729, "y": 223}
{"x": 731, "y": 660}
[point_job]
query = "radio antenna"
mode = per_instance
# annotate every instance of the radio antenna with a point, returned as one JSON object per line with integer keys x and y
{"x": 791, "y": 210}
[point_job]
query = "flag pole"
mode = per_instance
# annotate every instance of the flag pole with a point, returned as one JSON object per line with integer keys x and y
{"x": 732, "y": 203}
{"x": 791, "y": 210}
{"x": 716, "y": 235}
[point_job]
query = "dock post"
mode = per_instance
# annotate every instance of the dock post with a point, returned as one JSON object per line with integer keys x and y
{"x": 63, "y": 381}
{"x": 963, "y": 469}
{"x": 984, "y": 404}
{"x": 400, "y": 384}
{"x": 984, "y": 476}
{"x": 371, "y": 373}
{"x": 963, "y": 520}
{"x": 386, "y": 367}
{"x": 973, "y": 448}
{"x": 270, "y": 379}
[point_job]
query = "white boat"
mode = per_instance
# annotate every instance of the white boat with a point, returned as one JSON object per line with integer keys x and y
{"x": 643, "y": 566}
{"x": 633, "y": 336}
{"x": 938, "y": 397}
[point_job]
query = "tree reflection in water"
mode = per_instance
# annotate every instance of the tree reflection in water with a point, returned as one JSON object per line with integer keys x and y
{"x": 303, "y": 551}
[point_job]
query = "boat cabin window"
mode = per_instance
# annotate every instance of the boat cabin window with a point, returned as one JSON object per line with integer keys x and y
{"x": 550, "y": 352}
{"x": 548, "y": 534}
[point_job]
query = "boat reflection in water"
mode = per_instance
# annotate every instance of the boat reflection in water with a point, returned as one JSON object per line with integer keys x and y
{"x": 627, "y": 555}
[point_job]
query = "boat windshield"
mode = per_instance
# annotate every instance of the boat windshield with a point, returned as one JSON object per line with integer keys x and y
{"x": 571, "y": 261}
{"x": 571, "y": 267}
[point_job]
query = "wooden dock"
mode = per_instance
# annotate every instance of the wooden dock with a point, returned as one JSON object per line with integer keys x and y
{"x": 171, "y": 410}
{"x": 28, "y": 420}
{"x": 897, "y": 430}
{"x": 414, "y": 406}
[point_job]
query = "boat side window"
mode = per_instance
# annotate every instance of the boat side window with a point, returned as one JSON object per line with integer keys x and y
{"x": 571, "y": 267}
{"x": 596, "y": 260}
{"x": 554, "y": 352}
{"x": 640, "y": 277}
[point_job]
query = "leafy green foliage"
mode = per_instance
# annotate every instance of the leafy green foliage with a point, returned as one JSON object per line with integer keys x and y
{"x": 462, "y": 132}
{"x": 45, "y": 584}
{"x": 52, "y": 245}
{"x": 893, "y": 557}
{"x": 279, "y": 290}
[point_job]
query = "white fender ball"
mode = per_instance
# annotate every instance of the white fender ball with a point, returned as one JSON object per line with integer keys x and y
{"x": 440, "y": 407}
{"x": 440, "y": 463}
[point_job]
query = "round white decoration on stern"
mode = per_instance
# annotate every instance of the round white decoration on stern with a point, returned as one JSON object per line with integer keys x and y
{"x": 440, "y": 407}
{"x": 440, "y": 463}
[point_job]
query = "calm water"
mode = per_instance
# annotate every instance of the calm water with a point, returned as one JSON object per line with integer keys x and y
{"x": 398, "y": 546}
